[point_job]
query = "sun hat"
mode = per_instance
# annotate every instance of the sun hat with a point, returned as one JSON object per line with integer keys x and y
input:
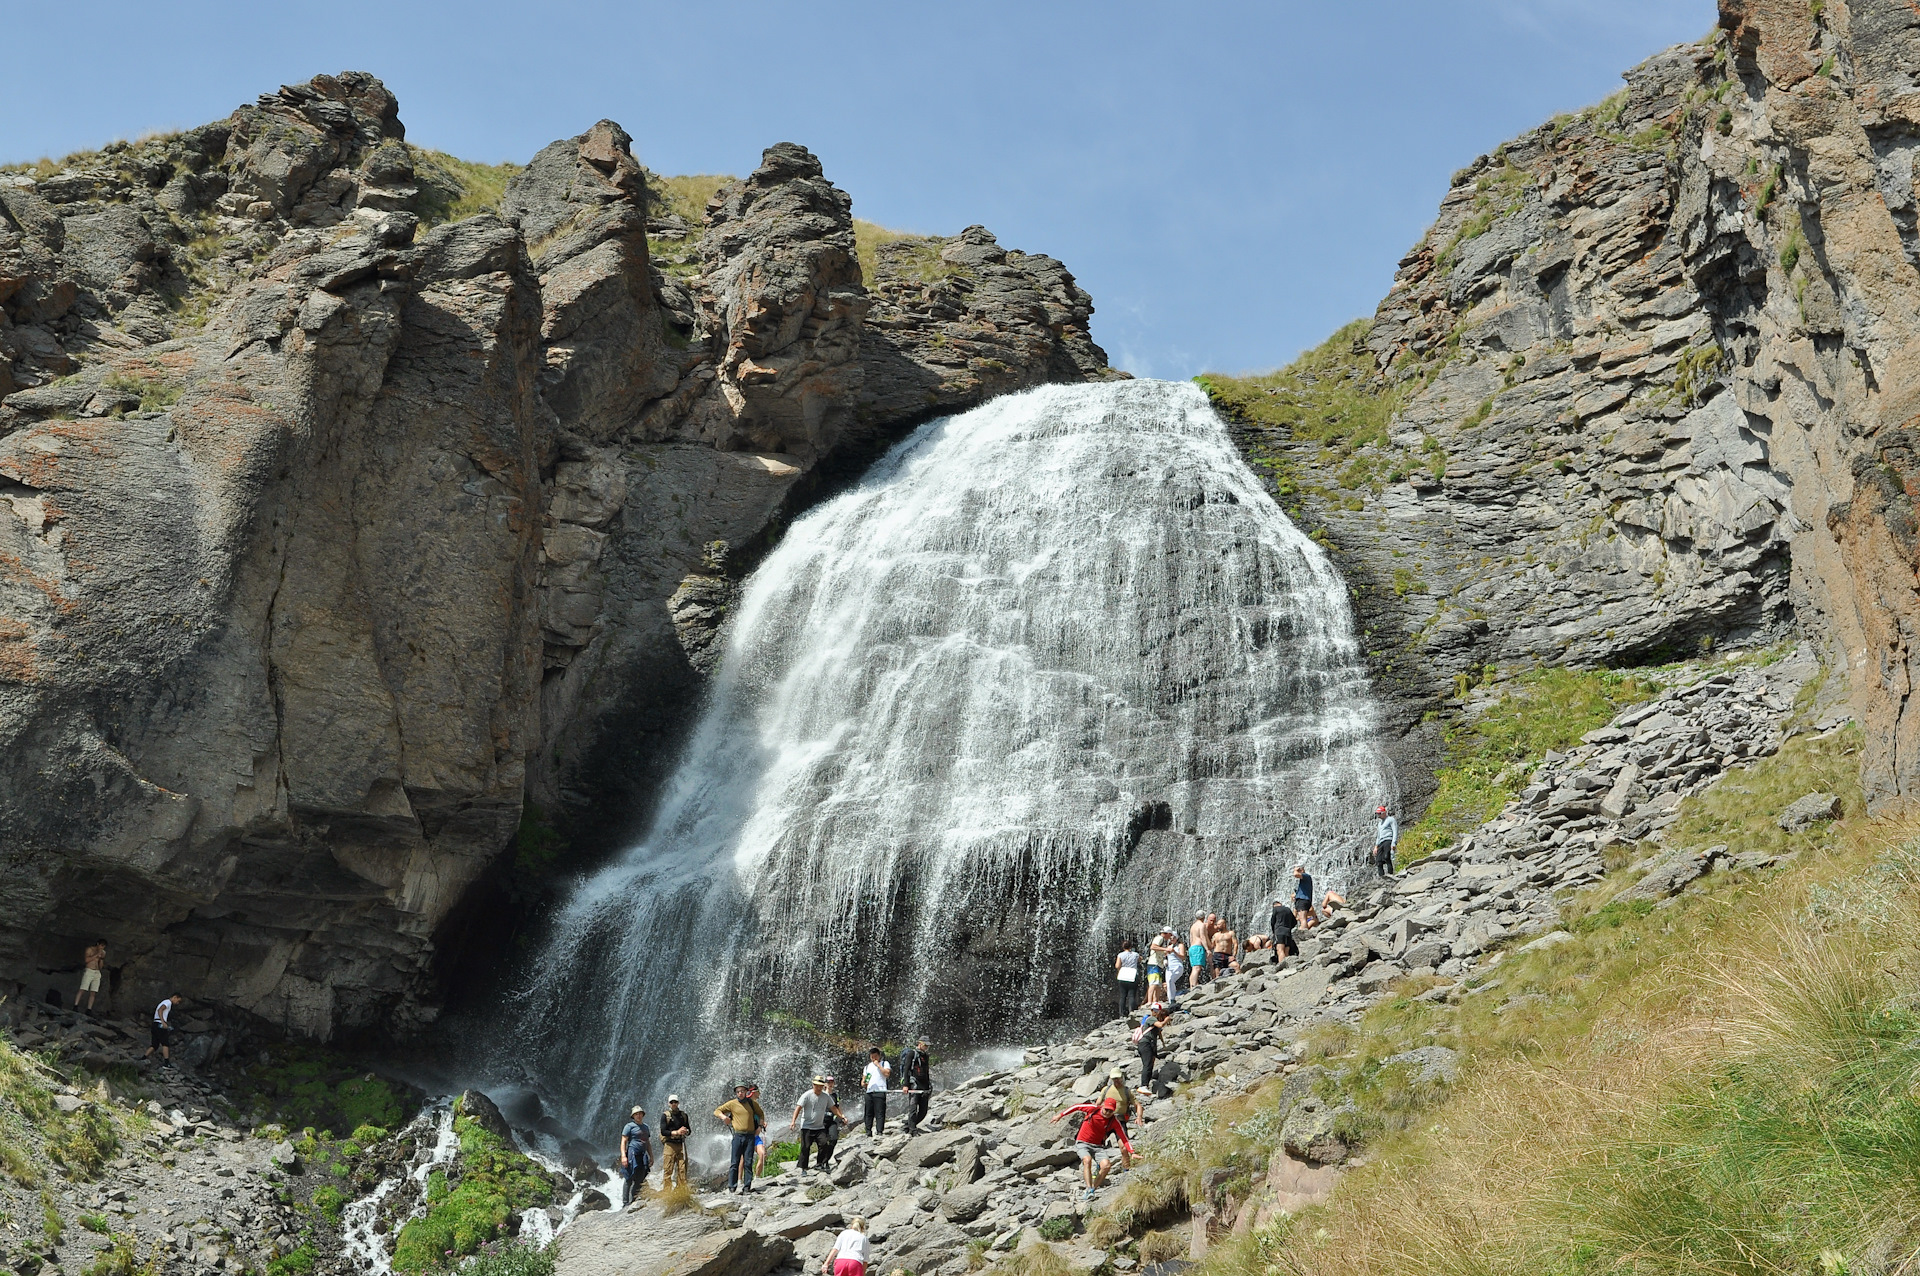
{"x": 819, "y": 1078}
{"x": 1116, "y": 1071}
{"x": 673, "y": 1098}
{"x": 636, "y": 1110}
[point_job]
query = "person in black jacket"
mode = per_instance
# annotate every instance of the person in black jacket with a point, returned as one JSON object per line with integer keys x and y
{"x": 1147, "y": 1039}
{"x": 916, "y": 1076}
{"x": 1280, "y": 924}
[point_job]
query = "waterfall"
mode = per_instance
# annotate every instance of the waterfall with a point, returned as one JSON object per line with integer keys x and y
{"x": 1057, "y": 672}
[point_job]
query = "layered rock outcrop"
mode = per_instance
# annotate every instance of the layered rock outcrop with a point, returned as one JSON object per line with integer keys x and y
{"x": 1653, "y": 374}
{"x": 331, "y": 534}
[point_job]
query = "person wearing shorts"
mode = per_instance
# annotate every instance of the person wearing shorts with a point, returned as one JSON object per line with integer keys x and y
{"x": 850, "y": 1251}
{"x": 1102, "y": 1122}
{"x": 162, "y": 1029}
{"x": 95, "y": 969}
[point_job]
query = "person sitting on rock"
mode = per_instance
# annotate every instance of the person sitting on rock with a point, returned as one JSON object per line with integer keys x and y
{"x": 1100, "y": 1122}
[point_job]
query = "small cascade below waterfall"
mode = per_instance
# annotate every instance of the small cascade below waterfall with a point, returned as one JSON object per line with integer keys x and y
{"x": 1056, "y": 672}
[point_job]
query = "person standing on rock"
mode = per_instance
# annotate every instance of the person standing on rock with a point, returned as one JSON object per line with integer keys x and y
{"x": 675, "y": 1125}
{"x": 916, "y": 1078}
{"x": 874, "y": 1078}
{"x": 1197, "y": 950}
{"x": 1176, "y": 965}
{"x": 1157, "y": 948}
{"x": 744, "y": 1120}
{"x": 810, "y": 1116}
{"x": 1302, "y": 892}
{"x": 848, "y": 1257}
{"x": 760, "y": 1140}
{"x": 1126, "y": 976}
{"x": 836, "y": 1122}
{"x": 1225, "y": 949}
{"x": 1385, "y": 839}
{"x": 636, "y": 1155}
{"x": 1282, "y": 921}
{"x": 162, "y": 1030}
{"x": 93, "y": 971}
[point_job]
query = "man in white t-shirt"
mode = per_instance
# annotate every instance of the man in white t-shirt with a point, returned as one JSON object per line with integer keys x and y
{"x": 874, "y": 1078}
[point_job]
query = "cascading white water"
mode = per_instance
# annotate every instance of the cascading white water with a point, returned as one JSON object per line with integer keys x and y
{"x": 1056, "y": 672}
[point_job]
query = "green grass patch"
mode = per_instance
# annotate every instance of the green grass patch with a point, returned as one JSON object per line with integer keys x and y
{"x": 493, "y": 1182}
{"x": 296, "y": 1262}
{"x": 156, "y": 392}
{"x": 686, "y": 197}
{"x": 305, "y": 1086}
{"x": 95, "y": 1223}
{"x": 329, "y": 1200}
{"x": 1489, "y": 757}
{"x": 909, "y": 256}
{"x": 510, "y": 1259}
{"x": 121, "y": 1258}
{"x": 452, "y": 188}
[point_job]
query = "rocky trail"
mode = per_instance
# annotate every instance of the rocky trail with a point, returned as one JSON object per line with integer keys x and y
{"x": 992, "y": 1173}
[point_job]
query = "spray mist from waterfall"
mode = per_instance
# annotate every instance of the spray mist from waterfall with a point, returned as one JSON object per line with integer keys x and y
{"x": 1055, "y": 673}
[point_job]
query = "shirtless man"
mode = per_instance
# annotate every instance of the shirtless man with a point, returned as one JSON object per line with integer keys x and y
{"x": 95, "y": 971}
{"x": 1225, "y": 948}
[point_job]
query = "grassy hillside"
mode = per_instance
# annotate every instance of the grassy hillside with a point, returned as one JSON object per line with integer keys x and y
{"x": 1728, "y": 1082}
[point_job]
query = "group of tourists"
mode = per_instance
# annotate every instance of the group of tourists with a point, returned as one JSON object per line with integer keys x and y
{"x": 1212, "y": 949}
{"x": 817, "y": 1121}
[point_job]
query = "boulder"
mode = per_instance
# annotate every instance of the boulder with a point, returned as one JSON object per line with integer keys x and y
{"x": 926, "y": 1150}
{"x": 964, "y": 1204}
{"x": 805, "y": 1222}
{"x": 1803, "y": 813}
{"x": 484, "y": 1113}
{"x": 1669, "y": 874}
{"x": 649, "y": 1242}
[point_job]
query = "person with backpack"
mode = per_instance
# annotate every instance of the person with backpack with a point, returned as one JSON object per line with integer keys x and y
{"x": 1100, "y": 1122}
{"x": 916, "y": 1077}
{"x": 836, "y": 1125}
{"x": 636, "y": 1155}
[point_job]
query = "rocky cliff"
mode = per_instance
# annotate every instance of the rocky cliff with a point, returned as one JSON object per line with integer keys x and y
{"x": 336, "y": 531}
{"x": 1648, "y": 384}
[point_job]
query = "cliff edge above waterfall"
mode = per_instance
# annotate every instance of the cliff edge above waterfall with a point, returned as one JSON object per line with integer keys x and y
{"x": 347, "y": 493}
{"x": 1647, "y": 386}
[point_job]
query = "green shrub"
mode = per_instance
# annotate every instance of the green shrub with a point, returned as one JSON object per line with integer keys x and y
{"x": 494, "y": 1182}
{"x": 452, "y": 188}
{"x": 298, "y": 1262}
{"x": 1057, "y": 1228}
{"x": 120, "y": 1259}
{"x": 306, "y": 1086}
{"x": 329, "y": 1200}
{"x": 511, "y": 1258}
{"x": 96, "y": 1223}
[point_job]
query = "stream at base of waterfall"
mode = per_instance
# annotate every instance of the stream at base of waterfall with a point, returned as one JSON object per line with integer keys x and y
{"x": 1056, "y": 673}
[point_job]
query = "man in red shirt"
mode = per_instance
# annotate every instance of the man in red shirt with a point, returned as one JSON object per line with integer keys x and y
{"x": 1101, "y": 1121}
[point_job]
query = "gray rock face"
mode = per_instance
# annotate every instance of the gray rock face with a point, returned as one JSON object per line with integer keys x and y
{"x": 1653, "y": 380}
{"x": 345, "y": 538}
{"x": 649, "y": 1242}
{"x": 1808, "y": 811}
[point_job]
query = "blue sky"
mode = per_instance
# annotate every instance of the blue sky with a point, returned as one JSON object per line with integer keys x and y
{"x": 1231, "y": 181}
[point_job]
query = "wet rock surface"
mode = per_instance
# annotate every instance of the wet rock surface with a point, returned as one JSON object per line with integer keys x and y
{"x": 334, "y": 535}
{"x": 1011, "y": 1169}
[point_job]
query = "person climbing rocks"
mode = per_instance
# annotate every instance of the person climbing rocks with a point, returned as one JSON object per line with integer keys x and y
{"x": 1126, "y": 976}
{"x": 94, "y": 969}
{"x": 810, "y": 1116}
{"x": 1146, "y": 1039}
{"x": 1100, "y": 1122}
{"x": 162, "y": 1030}
{"x": 874, "y": 1078}
{"x": 675, "y": 1125}
{"x": 745, "y": 1120}
{"x": 916, "y": 1078}
{"x": 636, "y": 1155}
{"x": 1122, "y": 1095}
{"x": 848, "y": 1257}
{"x": 1385, "y": 839}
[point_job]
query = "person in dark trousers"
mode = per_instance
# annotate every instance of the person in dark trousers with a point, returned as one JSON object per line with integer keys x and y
{"x": 675, "y": 1125}
{"x": 1146, "y": 1039}
{"x": 1126, "y": 976}
{"x": 1385, "y": 839}
{"x": 811, "y": 1116}
{"x": 873, "y": 1079}
{"x": 1302, "y": 889}
{"x": 636, "y": 1155}
{"x": 836, "y": 1123}
{"x": 1280, "y": 924}
{"x": 916, "y": 1077}
{"x": 745, "y": 1120}
{"x": 163, "y": 1030}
